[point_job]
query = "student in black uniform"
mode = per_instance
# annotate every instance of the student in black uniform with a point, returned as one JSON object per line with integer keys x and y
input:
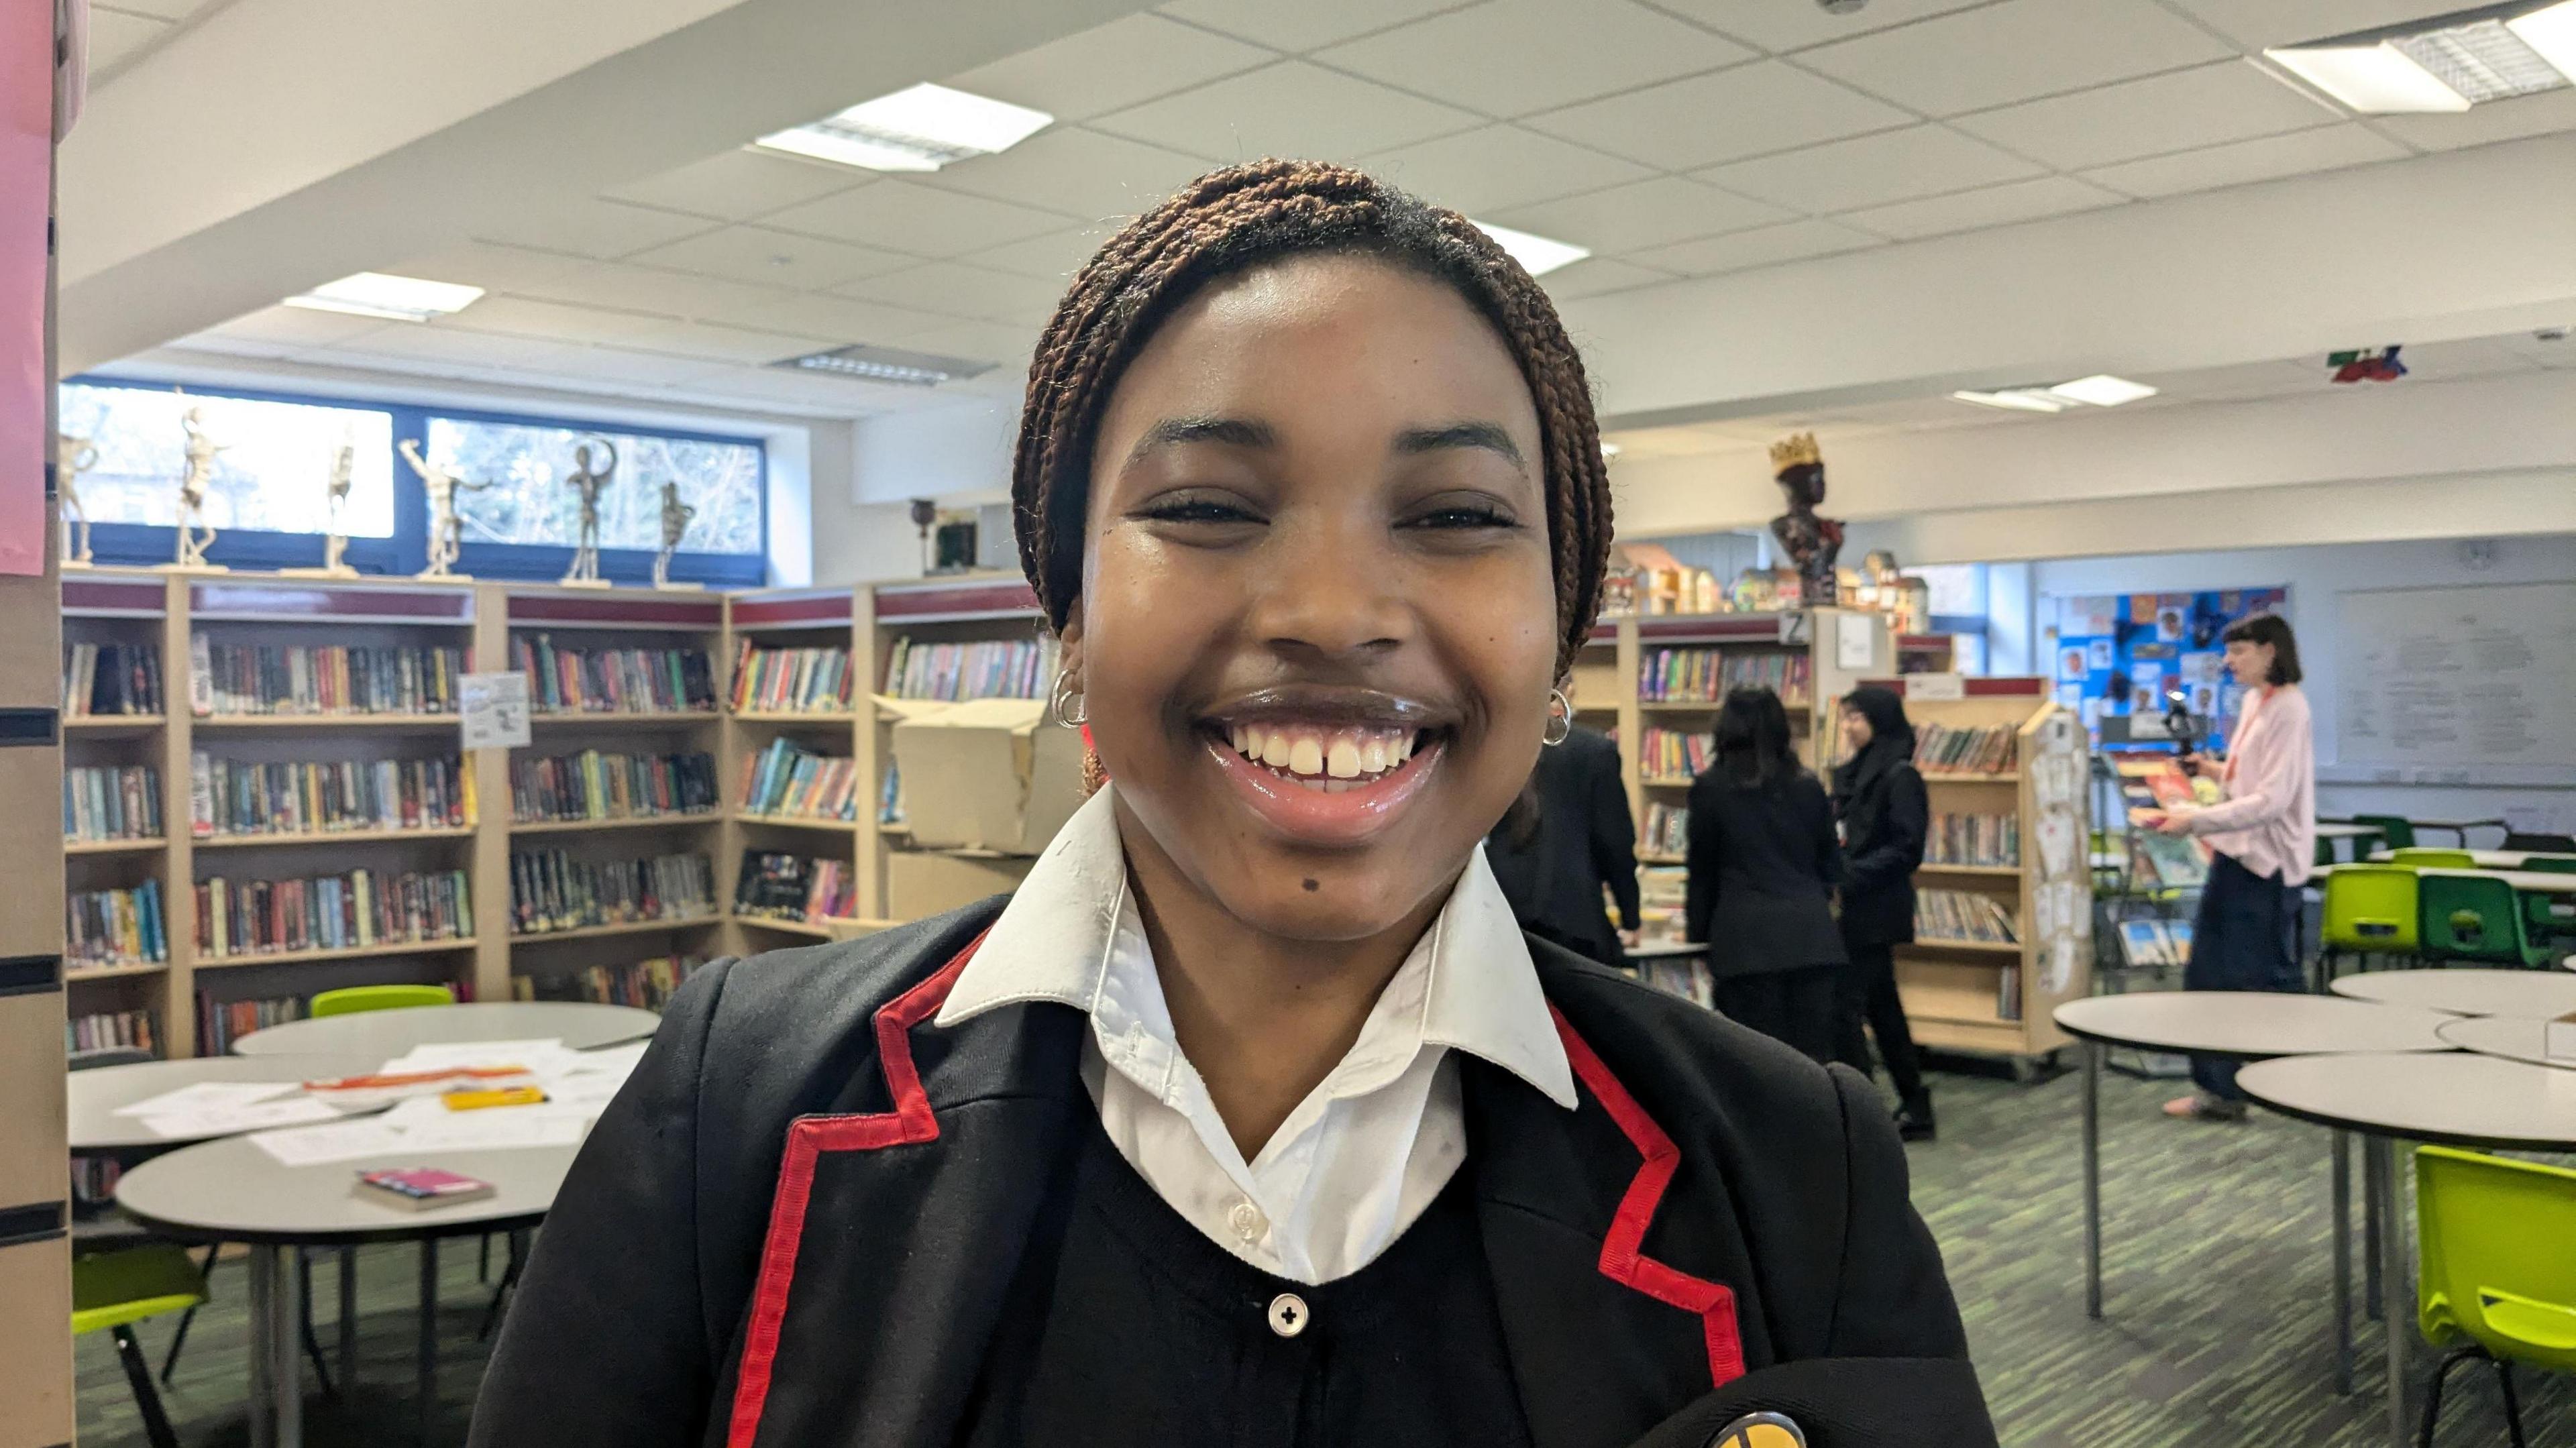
{"x": 1763, "y": 861}
{"x": 1567, "y": 839}
{"x": 1886, "y": 816}
{"x": 1250, "y": 1116}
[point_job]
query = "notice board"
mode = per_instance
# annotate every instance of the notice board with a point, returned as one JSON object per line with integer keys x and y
{"x": 2457, "y": 678}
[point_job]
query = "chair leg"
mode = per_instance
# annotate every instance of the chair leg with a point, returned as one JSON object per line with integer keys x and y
{"x": 304, "y": 1320}
{"x": 483, "y": 1260}
{"x": 2512, "y": 1405}
{"x": 179, "y": 1339}
{"x": 501, "y": 1294}
{"x": 147, "y": 1401}
{"x": 2433, "y": 1388}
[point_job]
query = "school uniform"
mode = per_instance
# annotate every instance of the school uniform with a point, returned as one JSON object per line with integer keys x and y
{"x": 956, "y": 1184}
{"x": 1764, "y": 860}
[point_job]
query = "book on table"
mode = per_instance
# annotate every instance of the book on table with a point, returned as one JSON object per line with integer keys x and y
{"x": 421, "y": 1188}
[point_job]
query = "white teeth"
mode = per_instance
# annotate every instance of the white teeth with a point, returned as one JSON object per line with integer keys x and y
{"x": 1306, "y": 756}
{"x": 1343, "y": 760}
{"x": 1275, "y": 750}
{"x": 1334, "y": 759}
{"x": 1372, "y": 752}
{"x": 1238, "y": 734}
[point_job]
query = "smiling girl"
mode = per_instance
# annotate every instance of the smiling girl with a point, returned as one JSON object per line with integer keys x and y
{"x": 1251, "y": 1118}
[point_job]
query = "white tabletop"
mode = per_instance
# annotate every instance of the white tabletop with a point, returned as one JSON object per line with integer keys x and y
{"x": 2326, "y": 830}
{"x": 2455, "y": 1098}
{"x": 2250, "y": 1024}
{"x": 386, "y": 1034}
{"x": 232, "y": 1191}
{"x": 2515, "y": 1038}
{"x": 2485, "y": 859}
{"x": 1665, "y": 950}
{"x": 2537, "y": 994}
{"x": 97, "y": 1093}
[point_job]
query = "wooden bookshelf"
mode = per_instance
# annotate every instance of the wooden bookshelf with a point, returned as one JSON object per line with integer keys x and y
{"x": 332, "y": 837}
{"x": 615, "y": 928}
{"x": 620, "y": 822}
{"x": 154, "y": 845}
{"x": 378, "y": 951}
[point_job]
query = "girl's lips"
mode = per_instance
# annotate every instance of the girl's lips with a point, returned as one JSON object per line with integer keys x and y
{"x": 1350, "y": 816}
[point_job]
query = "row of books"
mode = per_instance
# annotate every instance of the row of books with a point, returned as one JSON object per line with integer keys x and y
{"x": 789, "y": 781}
{"x": 994, "y": 669}
{"x": 225, "y": 679}
{"x": 571, "y": 679}
{"x": 648, "y": 984}
{"x": 111, "y": 679}
{"x": 1705, "y": 675}
{"x": 1963, "y": 915}
{"x": 114, "y": 927}
{"x": 795, "y": 887}
{"x": 220, "y": 1023}
{"x": 111, "y": 802}
{"x": 1687, "y": 977}
{"x": 1667, "y": 830}
{"x": 1973, "y": 839}
{"x": 597, "y": 785}
{"x": 790, "y": 681}
{"x": 353, "y": 911}
{"x": 551, "y": 891}
{"x": 1674, "y": 754}
{"x": 2156, "y": 944}
{"x": 1973, "y": 749}
{"x": 231, "y": 797}
{"x": 107, "y": 1030}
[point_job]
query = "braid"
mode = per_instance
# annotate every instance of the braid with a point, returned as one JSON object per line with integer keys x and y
{"x": 1229, "y": 221}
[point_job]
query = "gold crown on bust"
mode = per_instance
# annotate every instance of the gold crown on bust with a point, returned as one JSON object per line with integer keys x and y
{"x": 1796, "y": 448}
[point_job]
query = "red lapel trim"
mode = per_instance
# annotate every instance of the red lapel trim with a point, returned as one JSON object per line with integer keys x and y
{"x": 808, "y": 1137}
{"x": 1622, "y": 1257}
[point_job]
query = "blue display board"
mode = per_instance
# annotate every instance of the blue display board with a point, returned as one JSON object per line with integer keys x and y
{"x": 2118, "y": 653}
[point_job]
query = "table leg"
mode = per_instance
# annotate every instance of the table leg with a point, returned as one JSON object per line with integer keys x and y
{"x": 427, "y": 1387}
{"x": 2093, "y": 1179}
{"x": 276, "y": 1347}
{"x": 2343, "y": 1261}
{"x": 2370, "y": 1166}
{"x": 2400, "y": 1325}
{"x": 348, "y": 1280}
{"x": 261, "y": 1272}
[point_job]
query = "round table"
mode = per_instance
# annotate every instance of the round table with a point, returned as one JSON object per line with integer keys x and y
{"x": 97, "y": 1093}
{"x": 2512, "y": 1038}
{"x": 2533, "y": 994}
{"x": 2456, "y": 1099}
{"x": 386, "y": 1034}
{"x": 232, "y": 1191}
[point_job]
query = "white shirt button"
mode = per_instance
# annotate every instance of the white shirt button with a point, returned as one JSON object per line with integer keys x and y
{"x": 1247, "y": 1221}
{"x": 1288, "y": 1314}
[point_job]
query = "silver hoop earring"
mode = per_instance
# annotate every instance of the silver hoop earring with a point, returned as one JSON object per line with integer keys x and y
{"x": 1560, "y": 718}
{"x": 1067, "y": 705}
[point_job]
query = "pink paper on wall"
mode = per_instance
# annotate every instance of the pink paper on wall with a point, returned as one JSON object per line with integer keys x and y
{"x": 26, "y": 169}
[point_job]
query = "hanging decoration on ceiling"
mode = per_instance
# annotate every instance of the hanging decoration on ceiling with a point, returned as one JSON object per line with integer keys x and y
{"x": 1812, "y": 542}
{"x": 2367, "y": 364}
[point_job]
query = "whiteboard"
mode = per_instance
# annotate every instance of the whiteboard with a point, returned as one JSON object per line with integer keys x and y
{"x": 2448, "y": 677}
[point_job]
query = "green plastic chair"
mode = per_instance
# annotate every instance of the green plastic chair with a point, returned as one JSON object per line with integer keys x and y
{"x": 351, "y": 1000}
{"x": 2553, "y": 864}
{"x": 2549, "y": 920}
{"x": 2497, "y": 1281}
{"x": 2370, "y": 910}
{"x": 112, "y": 1291}
{"x": 2476, "y": 918}
{"x": 2396, "y": 832}
{"x": 2425, "y": 859}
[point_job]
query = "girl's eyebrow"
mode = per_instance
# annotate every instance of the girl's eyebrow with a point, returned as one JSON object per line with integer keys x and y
{"x": 1459, "y": 434}
{"x": 1233, "y": 431}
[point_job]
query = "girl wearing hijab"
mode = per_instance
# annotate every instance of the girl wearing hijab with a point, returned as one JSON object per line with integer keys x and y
{"x": 1251, "y": 1116}
{"x": 1886, "y": 815}
{"x": 1763, "y": 862}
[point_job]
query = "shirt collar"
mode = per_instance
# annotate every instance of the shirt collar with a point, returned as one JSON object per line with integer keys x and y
{"x": 1057, "y": 938}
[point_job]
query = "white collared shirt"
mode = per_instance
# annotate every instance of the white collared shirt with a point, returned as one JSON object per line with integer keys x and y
{"x": 1369, "y": 1147}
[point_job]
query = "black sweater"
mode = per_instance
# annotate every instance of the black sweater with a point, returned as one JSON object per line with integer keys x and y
{"x": 1763, "y": 861}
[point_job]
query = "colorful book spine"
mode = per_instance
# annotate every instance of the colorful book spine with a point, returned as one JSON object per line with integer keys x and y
{"x": 1673, "y": 755}
{"x": 597, "y": 785}
{"x": 788, "y": 781}
{"x": 111, "y": 679}
{"x": 551, "y": 891}
{"x": 1989, "y": 840}
{"x": 138, "y": 1030}
{"x": 1945, "y": 749}
{"x": 790, "y": 681}
{"x": 1963, "y": 915}
{"x": 577, "y": 679}
{"x": 781, "y": 886}
{"x": 229, "y": 798}
{"x": 114, "y": 927}
{"x": 645, "y": 984}
{"x": 359, "y": 910}
{"x": 111, "y": 802}
{"x": 220, "y": 1023}
{"x": 322, "y": 679}
{"x": 1705, "y": 675}
{"x": 989, "y": 669}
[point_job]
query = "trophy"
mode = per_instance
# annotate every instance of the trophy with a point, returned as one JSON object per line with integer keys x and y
{"x": 584, "y": 572}
{"x": 73, "y": 456}
{"x": 445, "y": 532}
{"x": 675, "y": 526}
{"x": 196, "y": 535}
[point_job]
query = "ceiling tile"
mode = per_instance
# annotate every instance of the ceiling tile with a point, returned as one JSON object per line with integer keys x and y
{"x": 739, "y": 185}
{"x": 2240, "y": 381}
{"x": 2463, "y": 359}
{"x": 965, "y": 291}
{"x": 641, "y": 289}
{"x": 844, "y": 319}
{"x": 2015, "y": 51}
{"x": 482, "y": 349}
{"x": 1494, "y": 167}
{"x": 1005, "y": 346}
{"x": 2181, "y": 110}
{"x": 1511, "y": 57}
{"x": 1288, "y": 109}
{"x": 1131, "y": 59}
{"x": 2258, "y": 23}
{"x": 1057, "y": 255}
{"x": 1871, "y": 170}
{"x": 491, "y": 267}
{"x": 2262, "y": 159}
{"x": 115, "y": 37}
{"x": 586, "y": 226}
{"x": 767, "y": 258}
{"x": 301, "y": 327}
{"x": 1706, "y": 119}
{"x": 2540, "y": 115}
{"x": 556, "y": 321}
{"x": 1640, "y": 214}
{"x": 158, "y": 9}
{"x": 648, "y": 369}
{"x": 1304, "y": 25}
{"x": 1600, "y": 274}
{"x": 1993, "y": 206}
{"x": 732, "y": 344}
{"x": 923, "y": 220}
{"x": 1076, "y": 171}
{"x": 1779, "y": 27}
{"x": 1762, "y": 246}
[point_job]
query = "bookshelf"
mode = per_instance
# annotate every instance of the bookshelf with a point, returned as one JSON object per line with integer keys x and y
{"x": 2010, "y": 831}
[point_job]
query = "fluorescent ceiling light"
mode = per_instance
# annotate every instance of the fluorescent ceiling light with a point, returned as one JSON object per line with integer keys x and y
{"x": 2552, "y": 33}
{"x": 2017, "y": 399}
{"x": 921, "y": 129}
{"x": 2482, "y": 60}
{"x": 399, "y": 299}
{"x": 1537, "y": 255}
{"x": 2374, "y": 79}
{"x": 888, "y": 364}
{"x": 2102, "y": 390}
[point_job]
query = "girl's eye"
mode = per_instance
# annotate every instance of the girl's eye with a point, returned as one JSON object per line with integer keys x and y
{"x": 1459, "y": 516}
{"x": 1199, "y": 510}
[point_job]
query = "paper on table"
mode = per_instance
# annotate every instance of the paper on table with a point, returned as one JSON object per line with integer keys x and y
{"x": 424, "y": 1126}
{"x": 618, "y": 1061}
{"x": 234, "y": 1120}
{"x": 206, "y": 1095}
{"x": 339, "y": 1141}
{"x": 541, "y": 1056}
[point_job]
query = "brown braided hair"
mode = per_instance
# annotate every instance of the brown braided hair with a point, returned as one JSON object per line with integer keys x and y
{"x": 1231, "y": 221}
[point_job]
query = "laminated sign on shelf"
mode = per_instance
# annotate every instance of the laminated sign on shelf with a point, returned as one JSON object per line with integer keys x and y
{"x": 494, "y": 708}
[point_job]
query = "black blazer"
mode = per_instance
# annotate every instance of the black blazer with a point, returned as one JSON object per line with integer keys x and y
{"x": 798, "y": 1223}
{"x": 1763, "y": 861}
{"x": 1885, "y": 820}
{"x": 1585, "y": 840}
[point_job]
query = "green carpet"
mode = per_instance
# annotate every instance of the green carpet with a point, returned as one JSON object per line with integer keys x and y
{"x": 2218, "y": 1288}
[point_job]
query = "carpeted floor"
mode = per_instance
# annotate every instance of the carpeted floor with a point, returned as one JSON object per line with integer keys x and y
{"x": 2218, "y": 1287}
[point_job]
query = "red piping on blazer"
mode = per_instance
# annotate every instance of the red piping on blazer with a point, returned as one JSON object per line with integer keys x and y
{"x": 1622, "y": 1258}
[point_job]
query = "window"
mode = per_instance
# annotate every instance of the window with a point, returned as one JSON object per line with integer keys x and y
{"x": 524, "y": 500}
{"x": 272, "y": 476}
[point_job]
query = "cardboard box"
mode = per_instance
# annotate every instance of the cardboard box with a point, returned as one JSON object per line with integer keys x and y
{"x": 919, "y": 884}
{"x": 988, "y": 774}
{"x": 2559, "y": 1040}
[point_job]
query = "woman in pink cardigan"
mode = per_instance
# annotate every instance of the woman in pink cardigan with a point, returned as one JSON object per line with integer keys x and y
{"x": 2263, "y": 837}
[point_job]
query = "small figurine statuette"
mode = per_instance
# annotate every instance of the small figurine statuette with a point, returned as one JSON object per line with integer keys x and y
{"x": 445, "y": 532}
{"x": 73, "y": 456}
{"x": 588, "y": 482}
{"x": 675, "y": 526}
{"x": 196, "y": 535}
{"x": 1812, "y": 542}
{"x": 335, "y": 544}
